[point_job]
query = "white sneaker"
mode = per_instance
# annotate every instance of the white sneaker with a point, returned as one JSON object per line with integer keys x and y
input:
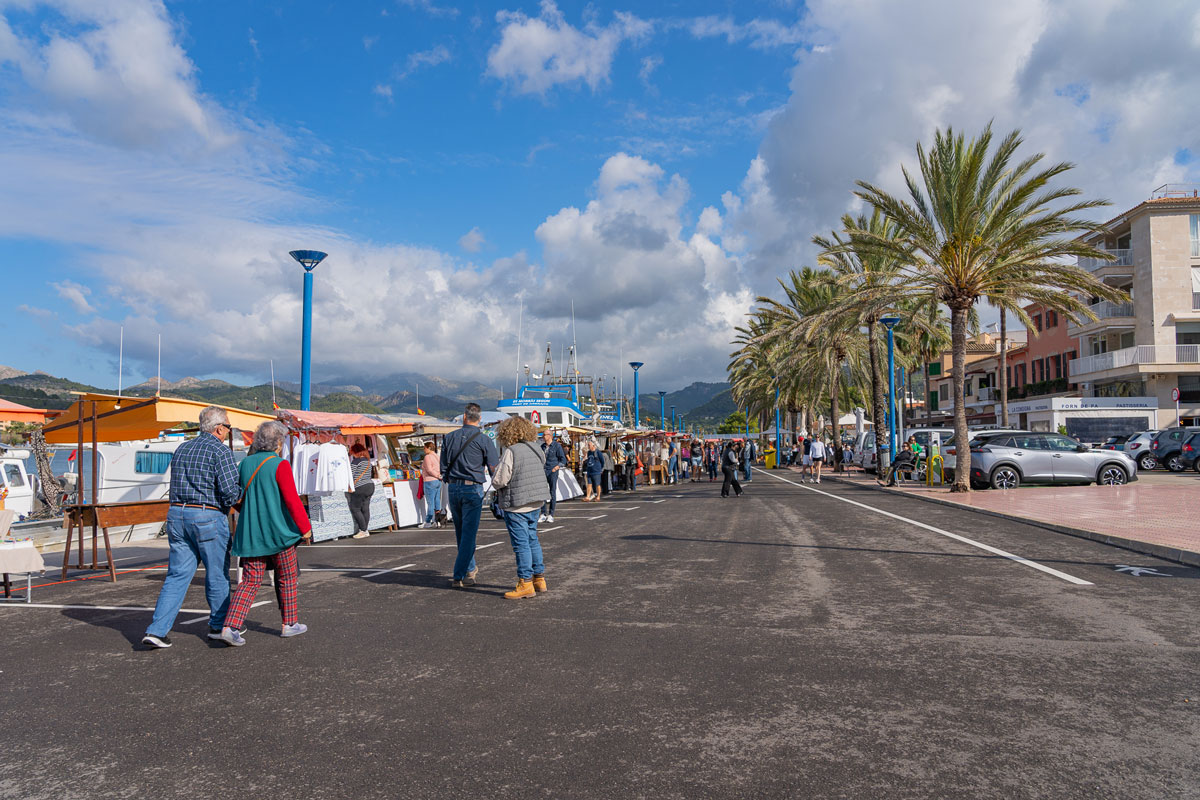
{"x": 542, "y": 518}
{"x": 293, "y": 630}
{"x": 360, "y": 535}
{"x": 549, "y": 518}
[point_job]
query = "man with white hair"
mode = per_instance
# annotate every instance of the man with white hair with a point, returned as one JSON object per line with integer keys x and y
{"x": 204, "y": 485}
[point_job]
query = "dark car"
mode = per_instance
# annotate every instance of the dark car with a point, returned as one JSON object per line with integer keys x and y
{"x": 1190, "y": 454}
{"x": 1167, "y": 447}
{"x": 1115, "y": 442}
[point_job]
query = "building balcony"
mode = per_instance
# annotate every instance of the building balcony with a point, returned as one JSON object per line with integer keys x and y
{"x": 1123, "y": 259}
{"x": 1108, "y": 315}
{"x": 1141, "y": 358}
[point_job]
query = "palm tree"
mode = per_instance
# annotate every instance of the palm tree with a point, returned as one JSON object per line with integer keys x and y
{"x": 977, "y": 226}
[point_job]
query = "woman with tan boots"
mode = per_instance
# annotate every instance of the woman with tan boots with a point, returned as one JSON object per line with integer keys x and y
{"x": 520, "y": 482}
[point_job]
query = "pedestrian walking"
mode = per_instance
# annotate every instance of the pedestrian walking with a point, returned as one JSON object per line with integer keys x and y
{"x": 729, "y": 466}
{"x": 618, "y": 457}
{"x": 806, "y": 460}
{"x": 556, "y": 459}
{"x": 431, "y": 478}
{"x": 696, "y": 453}
{"x": 271, "y": 522}
{"x": 364, "y": 487}
{"x": 522, "y": 489}
{"x": 606, "y": 477}
{"x": 593, "y": 468}
{"x": 712, "y": 458}
{"x": 748, "y": 461}
{"x": 466, "y": 454}
{"x": 817, "y": 454}
{"x": 632, "y": 466}
{"x": 204, "y": 485}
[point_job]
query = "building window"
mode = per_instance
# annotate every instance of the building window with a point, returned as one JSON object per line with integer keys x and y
{"x": 944, "y": 391}
{"x": 1051, "y": 320}
{"x": 1037, "y": 322}
{"x": 1195, "y": 220}
{"x": 1195, "y": 284}
{"x": 1189, "y": 388}
{"x": 554, "y": 417}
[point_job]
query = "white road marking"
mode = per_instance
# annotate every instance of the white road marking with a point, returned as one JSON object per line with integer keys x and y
{"x": 955, "y": 536}
{"x": 657, "y": 501}
{"x": 630, "y": 508}
{"x": 18, "y": 604}
{"x": 206, "y": 615}
{"x": 486, "y": 546}
{"x": 601, "y": 516}
{"x": 385, "y": 571}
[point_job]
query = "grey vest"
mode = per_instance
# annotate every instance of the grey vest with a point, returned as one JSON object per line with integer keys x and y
{"x": 528, "y": 486}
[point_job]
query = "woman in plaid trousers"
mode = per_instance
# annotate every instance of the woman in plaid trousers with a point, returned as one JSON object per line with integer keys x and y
{"x": 271, "y": 522}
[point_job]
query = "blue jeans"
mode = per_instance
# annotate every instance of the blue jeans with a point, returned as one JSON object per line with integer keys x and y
{"x": 466, "y": 505}
{"x": 194, "y": 535}
{"x": 522, "y": 533}
{"x": 673, "y": 468}
{"x": 747, "y": 470}
{"x": 433, "y": 499}
{"x": 552, "y": 480}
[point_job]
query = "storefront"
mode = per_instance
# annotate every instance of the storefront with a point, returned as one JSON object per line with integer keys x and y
{"x": 1088, "y": 419}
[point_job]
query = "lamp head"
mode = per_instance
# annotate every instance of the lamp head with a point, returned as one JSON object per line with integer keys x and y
{"x": 636, "y": 365}
{"x": 662, "y": 394}
{"x": 890, "y": 321}
{"x": 308, "y": 258}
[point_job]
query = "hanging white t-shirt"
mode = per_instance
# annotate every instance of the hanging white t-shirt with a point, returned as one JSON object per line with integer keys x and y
{"x": 333, "y": 472}
{"x": 304, "y": 467}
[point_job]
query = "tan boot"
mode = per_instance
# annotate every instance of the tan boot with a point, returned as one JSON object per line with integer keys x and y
{"x": 524, "y": 589}
{"x": 539, "y": 583}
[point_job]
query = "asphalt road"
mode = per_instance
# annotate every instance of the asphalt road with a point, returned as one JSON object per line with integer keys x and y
{"x": 785, "y": 644}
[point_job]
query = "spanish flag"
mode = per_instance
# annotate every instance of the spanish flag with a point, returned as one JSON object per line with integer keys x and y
{"x": 275, "y": 405}
{"x": 420, "y": 412}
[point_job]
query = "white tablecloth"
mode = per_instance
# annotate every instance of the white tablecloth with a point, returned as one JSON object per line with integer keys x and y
{"x": 20, "y": 557}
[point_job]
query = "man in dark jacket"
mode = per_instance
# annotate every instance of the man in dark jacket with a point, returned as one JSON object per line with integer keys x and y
{"x": 729, "y": 467}
{"x": 466, "y": 454}
{"x": 556, "y": 459}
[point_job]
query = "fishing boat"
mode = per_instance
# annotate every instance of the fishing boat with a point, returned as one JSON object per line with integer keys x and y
{"x": 548, "y": 404}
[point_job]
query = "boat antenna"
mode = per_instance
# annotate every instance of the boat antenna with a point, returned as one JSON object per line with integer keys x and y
{"x": 120, "y": 365}
{"x": 575, "y": 355}
{"x": 274, "y": 404}
{"x": 418, "y": 388}
{"x": 158, "y": 388}
{"x": 520, "y": 325}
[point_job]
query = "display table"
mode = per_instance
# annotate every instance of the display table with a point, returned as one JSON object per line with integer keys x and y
{"x": 17, "y": 558}
{"x": 329, "y": 513}
{"x": 656, "y": 474}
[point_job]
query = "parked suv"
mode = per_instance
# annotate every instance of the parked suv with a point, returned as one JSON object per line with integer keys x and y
{"x": 1191, "y": 451}
{"x": 1005, "y": 462}
{"x": 1167, "y": 447}
{"x": 1138, "y": 448}
{"x": 950, "y": 450}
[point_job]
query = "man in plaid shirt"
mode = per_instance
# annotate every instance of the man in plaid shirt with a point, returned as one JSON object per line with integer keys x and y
{"x": 204, "y": 484}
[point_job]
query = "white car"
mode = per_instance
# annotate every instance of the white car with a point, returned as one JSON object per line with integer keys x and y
{"x": 949, "y": 449}
{"x": 1137, "y": 447}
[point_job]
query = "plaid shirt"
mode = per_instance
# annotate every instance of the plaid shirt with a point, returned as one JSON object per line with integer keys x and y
{"x": 203, "y": 472}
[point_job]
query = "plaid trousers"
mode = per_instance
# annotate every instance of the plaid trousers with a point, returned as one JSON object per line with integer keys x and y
{"x": 287, "y": 586}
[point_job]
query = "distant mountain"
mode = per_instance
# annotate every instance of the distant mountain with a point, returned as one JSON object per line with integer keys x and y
{"x": 10, "y": 372}
{"x": 685, "y": 400}
{"x": 714, "y": 411}
{"x": 434, "y": 405}
{"x": 41, "y": 390}
{"x": 458, "y": 391}
{"x": 320, "y": 389}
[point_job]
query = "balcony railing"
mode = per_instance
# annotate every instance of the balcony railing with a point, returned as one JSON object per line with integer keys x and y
{"x": 1124, "y": 258}
{"x": 1140, "y": 354}
{"x": 1109, "y": 310}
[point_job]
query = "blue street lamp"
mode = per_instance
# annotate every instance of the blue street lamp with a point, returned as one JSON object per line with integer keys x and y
{"x": 891, "y": 322}
{"x": 682, "y": 427}
{"x": 637, "y": 421}
{"x": 309, "y": 260}
{"x": 672, "y": 428}
{"x": 778, "y": 441}
{"x": 662, "y": 410}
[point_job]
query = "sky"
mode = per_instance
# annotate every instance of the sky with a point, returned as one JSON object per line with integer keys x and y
{"x": 474, "y": 169}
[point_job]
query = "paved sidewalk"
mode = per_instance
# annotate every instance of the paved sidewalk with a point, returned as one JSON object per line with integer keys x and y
{"x": 1158, "y": 517}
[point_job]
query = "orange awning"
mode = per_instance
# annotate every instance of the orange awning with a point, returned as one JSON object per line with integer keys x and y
{"x": 15, "y": 412}
{"x": 125, "y": 419}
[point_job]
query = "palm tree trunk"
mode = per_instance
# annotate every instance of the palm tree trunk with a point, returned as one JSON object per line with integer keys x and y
{"x": 877, "y": 402}
{"x": 1002, "y": 377}
{"x": 837, "y": 439}
{"x": 958, "y": 369}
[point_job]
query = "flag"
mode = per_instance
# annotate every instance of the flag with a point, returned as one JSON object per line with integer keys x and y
{"x": 275, "y": 405}
{"x": 420, "y": 412}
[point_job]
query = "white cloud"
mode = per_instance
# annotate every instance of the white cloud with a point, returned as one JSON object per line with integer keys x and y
{"x": 1109, "y": 86}
{"x": 764, "y": 34}
{"x": 649, "y": 64}
{"x": 535, "y": 54}
{"x": 472, "y": 241}
{"x": 430, "y": 8}
{"x": 75, "y": 294}
{"x": 439, "y": 54}
{"x": 383, "y": 90}
{"x": 119, "y": 77}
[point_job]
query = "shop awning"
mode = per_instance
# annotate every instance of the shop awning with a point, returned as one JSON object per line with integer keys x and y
{"x": 348, "y": 424}
{"x": 15, "y": 412}
{"x": 125, "y": 419}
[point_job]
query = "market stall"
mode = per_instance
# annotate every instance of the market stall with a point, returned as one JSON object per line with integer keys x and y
{"x": 318, "y": 448}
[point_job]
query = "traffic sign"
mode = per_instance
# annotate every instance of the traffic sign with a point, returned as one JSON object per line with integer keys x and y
{"x": 1175, "y": 394}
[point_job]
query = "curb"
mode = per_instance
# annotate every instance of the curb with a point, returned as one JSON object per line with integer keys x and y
{"x": 1179, "y": 555}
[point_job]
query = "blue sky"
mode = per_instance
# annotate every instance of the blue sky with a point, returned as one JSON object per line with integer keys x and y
{"x": 658, "y": 163}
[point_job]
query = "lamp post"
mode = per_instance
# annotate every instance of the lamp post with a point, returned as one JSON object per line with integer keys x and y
{"x": 672, "y": 428}
{"x": 891, "y": 323}
{"x": 309, "y": 260}
{"x": 637, "y": 422}
{"x": 662, "y": 410}
{"x": 778, "y": 441}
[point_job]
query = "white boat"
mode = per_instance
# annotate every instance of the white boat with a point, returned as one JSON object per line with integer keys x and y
{"x": 550, "y": 404}
{"x": 15, "y": 480}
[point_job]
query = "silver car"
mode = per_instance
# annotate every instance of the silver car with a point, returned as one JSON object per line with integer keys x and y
{"x": 1007, "y": 461}
{"x": 950, "y": 450}
{"x": 1138, "y": 448}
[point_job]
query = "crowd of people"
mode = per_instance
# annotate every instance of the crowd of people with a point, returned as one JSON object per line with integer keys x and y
{"x": 207, "y": 484}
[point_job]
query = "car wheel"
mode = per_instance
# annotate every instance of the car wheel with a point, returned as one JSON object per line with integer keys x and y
{"x": 1005, "y": 477}
{"x": 1175, "y": 464}
{"x": 1112, "y": 475}
{"x": 1147, "y": 462}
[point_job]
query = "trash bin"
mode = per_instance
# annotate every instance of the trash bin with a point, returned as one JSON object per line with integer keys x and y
{"x": 769, "y": 458}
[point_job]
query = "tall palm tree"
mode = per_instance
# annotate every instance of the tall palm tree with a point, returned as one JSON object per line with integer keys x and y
{"x": 981, "y": 225}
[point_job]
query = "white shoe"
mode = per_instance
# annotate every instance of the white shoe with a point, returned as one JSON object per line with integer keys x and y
{"x": 360, "y": 535}
{"x": 542, "y": 518}
{"x": 549, "y": 518}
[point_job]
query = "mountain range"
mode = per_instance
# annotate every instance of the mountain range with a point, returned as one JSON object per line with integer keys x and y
{"x": 701, "y": 403}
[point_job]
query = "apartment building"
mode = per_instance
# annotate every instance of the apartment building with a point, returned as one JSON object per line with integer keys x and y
{"x": 1040, "y": 368}
{"x": 1149, "y": 347}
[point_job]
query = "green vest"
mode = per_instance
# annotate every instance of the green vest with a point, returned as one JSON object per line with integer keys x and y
{"x": 264, "y": 526}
